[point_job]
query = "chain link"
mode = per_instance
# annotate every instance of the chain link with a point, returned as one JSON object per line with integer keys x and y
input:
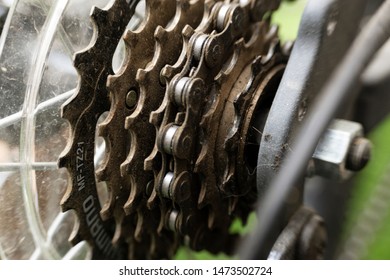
{"x": 181, "y": 113}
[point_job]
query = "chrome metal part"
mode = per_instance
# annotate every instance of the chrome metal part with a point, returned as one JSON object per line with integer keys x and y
{"x": 166, "y": 185}
{"x": 359, "y": 154}
{"x": 342, "y": 143}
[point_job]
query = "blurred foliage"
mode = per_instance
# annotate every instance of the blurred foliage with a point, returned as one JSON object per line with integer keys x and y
{"x": 288, "y": 18}
{"x": 368, "y": 181}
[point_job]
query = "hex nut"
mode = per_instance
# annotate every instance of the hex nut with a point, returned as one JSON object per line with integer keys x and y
{"x": 334, "y": 148}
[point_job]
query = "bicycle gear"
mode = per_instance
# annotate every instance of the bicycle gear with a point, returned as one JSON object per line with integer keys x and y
{"x": 83, "y": 111}
{"x": 139, "y": 53}
{"x": 183, "y": 112}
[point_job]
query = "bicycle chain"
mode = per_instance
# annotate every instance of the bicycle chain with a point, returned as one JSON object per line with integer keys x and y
{"x": 188, "y": 92}
{"x": 128, "y": 174}
{"x": 213, "y": 134}
{"x": 167, "y": 51}
{"x": 180, "y": 117}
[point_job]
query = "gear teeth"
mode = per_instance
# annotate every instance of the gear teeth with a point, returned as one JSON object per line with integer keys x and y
{"x": 102, "y": 175}
{"x": 270, "y": 63}
{"x": 152, "y": 94}
{"x": 187, "y": 202}
{"x": 103, "y": 131}
{"x": 160, "y": 35}
{"x": 75, "y": 236}
{"x": 157, "y": 119}
{"x": 142, "y": 78}
{"x": 66, "y": 201}
{"x": 82, "y": 111}
{"x": 130, "y": 121}
{"x": 123, "y": 171}
{"x": 99, "y": 15}
{"x": 131, "y": 39}
{"x": 106, "y": 212}
{"x": 139, "y": 231}
{"x": 132, "y": 203}
{"x": 152, "y": 200}
{"x": 157, "y": 116}
{"x": 168, "y": 72}
{"x": 218, "y": 61}
{"x": 167, "y": 49}
{"x": 152, "y": 162}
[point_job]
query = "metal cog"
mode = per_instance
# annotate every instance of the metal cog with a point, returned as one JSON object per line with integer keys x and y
{"x": 188, "y": 94}
{"x": 126, "y": 177}
{"x": 266, "y": 72}
{"x": 157, "y": 160}
{"x": 184, "y": 111}
{"x": 83, "y": 111}
{"x": 168, "y": 48}
{"x": 209, "y": 165}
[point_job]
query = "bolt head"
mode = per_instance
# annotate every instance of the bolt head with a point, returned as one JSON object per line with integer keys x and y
{"x": 359, "y": 154}
{"x": 131, "y": 99}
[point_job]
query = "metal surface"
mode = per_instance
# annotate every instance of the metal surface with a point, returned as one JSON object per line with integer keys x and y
{"x": 335, "y": 94}
{"x": 187, "y": 113}
{"x": 324, "y": 25}
{"x": 83, "y": 111}
{"x": 304, "y": 238}
{"x": 205, "y": 79}
{"x": 359, "y": 154}
{"x": 124, "y": 173}
{"x": 338, "y": 148}
{"x": 188, "y": 110}
{"x": 4, "y": 8}
{"x": 168, "y": 108}
{"x": 373, "y": 103}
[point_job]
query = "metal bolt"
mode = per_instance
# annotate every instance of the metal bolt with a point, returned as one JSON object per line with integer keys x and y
{"x": 183, "y": 193}
{"x": 131, "y": 99}
{"x": 339, "y": 152}
{"x": 213, "y": 52}
{"x": 359, "y": 154}
{"x": 238, "y": 20}
{"x": 313, "y": 239}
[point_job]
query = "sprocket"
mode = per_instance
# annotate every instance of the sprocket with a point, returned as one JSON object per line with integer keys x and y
{"x": 83, "y": 111}
{"x": 181, "y": 108}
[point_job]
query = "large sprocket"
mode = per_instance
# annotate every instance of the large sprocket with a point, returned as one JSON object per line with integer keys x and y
{"x": 180, "y": 114}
